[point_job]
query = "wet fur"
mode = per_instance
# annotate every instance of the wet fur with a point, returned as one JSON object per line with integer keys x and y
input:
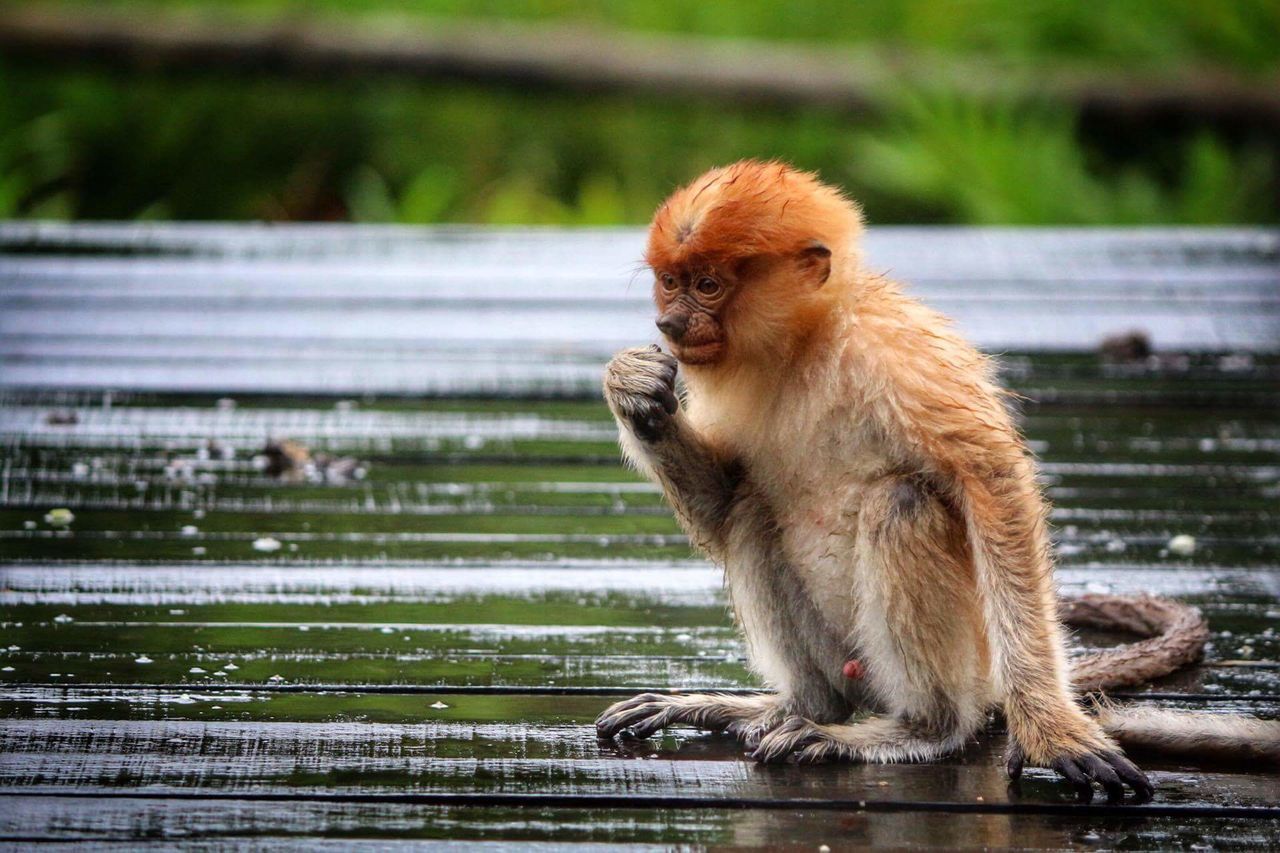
{"x": 850, "y": 462}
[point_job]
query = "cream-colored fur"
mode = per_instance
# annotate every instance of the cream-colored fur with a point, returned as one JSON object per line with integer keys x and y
{"x": 1194, "y": 735}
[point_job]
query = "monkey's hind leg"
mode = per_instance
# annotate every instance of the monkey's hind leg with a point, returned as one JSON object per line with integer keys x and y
{"x": 875, "y": 740}
{"x": 745, "y": 717}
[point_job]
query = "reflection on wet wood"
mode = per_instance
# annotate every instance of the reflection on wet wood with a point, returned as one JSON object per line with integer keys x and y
{"x": 400, "y": 310}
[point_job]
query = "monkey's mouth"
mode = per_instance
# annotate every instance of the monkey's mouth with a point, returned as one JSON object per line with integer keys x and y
{"x": 703, "y": 353}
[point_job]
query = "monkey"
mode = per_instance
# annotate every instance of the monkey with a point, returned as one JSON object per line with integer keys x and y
{"x": 852, "y": 465}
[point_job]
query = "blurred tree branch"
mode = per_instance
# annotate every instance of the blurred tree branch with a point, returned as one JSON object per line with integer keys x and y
{"x": 593, "y": 60}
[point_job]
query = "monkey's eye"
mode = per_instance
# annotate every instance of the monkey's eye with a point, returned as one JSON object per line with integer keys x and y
{"x": 668, "y": 282}
{"x": 708, "y": 286}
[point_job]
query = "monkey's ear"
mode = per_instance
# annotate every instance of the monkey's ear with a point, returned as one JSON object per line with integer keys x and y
{"x": 815, "y": 261}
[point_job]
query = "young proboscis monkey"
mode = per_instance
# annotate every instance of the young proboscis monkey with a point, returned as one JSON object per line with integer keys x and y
{"x": 850, "y": 462}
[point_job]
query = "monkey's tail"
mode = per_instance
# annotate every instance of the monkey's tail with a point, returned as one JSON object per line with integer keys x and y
{"x": 1176, "y": 634}
{"x": 1222, "y": 737}
{"x": 1175, "y": 637}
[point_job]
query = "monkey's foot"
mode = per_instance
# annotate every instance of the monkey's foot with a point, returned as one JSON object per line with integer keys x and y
{"x": 751, "y": 730}
{"x": 645, "y": 714}
{"x": 810, "y": 741}
{"x": 1108, "y": 768}
{"x": 878, "y": 740}
{"x": 642, "y": 715}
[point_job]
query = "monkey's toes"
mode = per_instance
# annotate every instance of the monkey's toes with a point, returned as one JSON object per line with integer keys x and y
{"x": 639, "y": 714}
{"x": 751, "y": 731}
{"x": 822, "y": 751}
{"x": 777, "y": 745}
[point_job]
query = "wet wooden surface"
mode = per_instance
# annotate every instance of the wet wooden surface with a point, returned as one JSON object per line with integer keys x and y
{"x": 422, "y": 655}
{"x": 341, "y": 309}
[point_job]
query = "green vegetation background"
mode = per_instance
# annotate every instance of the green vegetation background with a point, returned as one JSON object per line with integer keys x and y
{"x": 79, "y": 140}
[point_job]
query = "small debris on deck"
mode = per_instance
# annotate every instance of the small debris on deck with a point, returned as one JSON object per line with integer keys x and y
{"x": 1134, "y": 346}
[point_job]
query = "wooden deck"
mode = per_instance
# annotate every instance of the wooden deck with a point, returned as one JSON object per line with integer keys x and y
{"x": 422, "y": 656}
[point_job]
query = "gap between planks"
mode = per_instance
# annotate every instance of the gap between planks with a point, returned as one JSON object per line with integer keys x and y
{"x": 675, "y": 802}
{"x": 511, "y": 690}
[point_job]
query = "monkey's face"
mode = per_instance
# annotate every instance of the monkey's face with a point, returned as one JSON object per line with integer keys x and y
{"x": 691, "y": 305}
{"x": 741, "y": 260}
{"x": 747, "y": 308}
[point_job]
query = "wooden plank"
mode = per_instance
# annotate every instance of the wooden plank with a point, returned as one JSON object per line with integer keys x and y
{"x": 235, "y": 434}
{"x": 460, "y": 672}
{"x": 164, "y": 822}
{"x": 688, "y": 592}
{"x": 436, "y": 314}
{"x": 569, "y": 624}
{"x": 517, "y": 756}
{"x": 1034, "y": 252}
{"x": 444, "y": 535}
{"x": 352, "y": 427}
{"x": 377, "y": 546}
{"x": 1160, "y": 501}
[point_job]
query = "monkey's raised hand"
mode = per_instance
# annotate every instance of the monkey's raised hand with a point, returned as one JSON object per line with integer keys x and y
{"x": 639, "y": 386}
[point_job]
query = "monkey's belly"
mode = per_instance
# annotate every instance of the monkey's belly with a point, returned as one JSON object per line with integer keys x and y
{"x": 883, "y": 574}
{"x": 871, "y": 597}
{"x": 798, "y": 638}
{"x": 791, "y": 642}
{"x": 824, "y": 559}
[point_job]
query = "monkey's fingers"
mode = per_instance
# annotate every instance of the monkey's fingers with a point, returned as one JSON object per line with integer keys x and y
{"x": 1111, "y": 770}
{"x": 651, "y": 418}
{"x": 1143, "y": 790}
{"x": 1067, "y": 768}
{"x": 1014, "y": 762}
{"x": 667, "y": 396}
{"x": 1101, "y": 772}
{"x": 667, "y": 366}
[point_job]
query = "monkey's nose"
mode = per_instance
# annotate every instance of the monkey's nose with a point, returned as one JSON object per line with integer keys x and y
{"x": 673, "y": 325}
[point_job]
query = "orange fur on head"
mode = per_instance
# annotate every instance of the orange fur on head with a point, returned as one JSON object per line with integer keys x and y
{"x": 774, "y": 217}
{"x": 749, "y": 209}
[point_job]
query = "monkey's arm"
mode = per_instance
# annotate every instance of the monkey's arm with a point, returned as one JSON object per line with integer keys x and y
{"x": 1004, "y": 517}
{"x": 945, "y": 402}
{"x": 658, "y": 440}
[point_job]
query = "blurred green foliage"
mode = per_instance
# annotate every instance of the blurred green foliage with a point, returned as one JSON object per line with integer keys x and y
{"x": 1239, "y": 34}
{"x": 96, "y": 143}
{"x": 1026, "y": 166}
